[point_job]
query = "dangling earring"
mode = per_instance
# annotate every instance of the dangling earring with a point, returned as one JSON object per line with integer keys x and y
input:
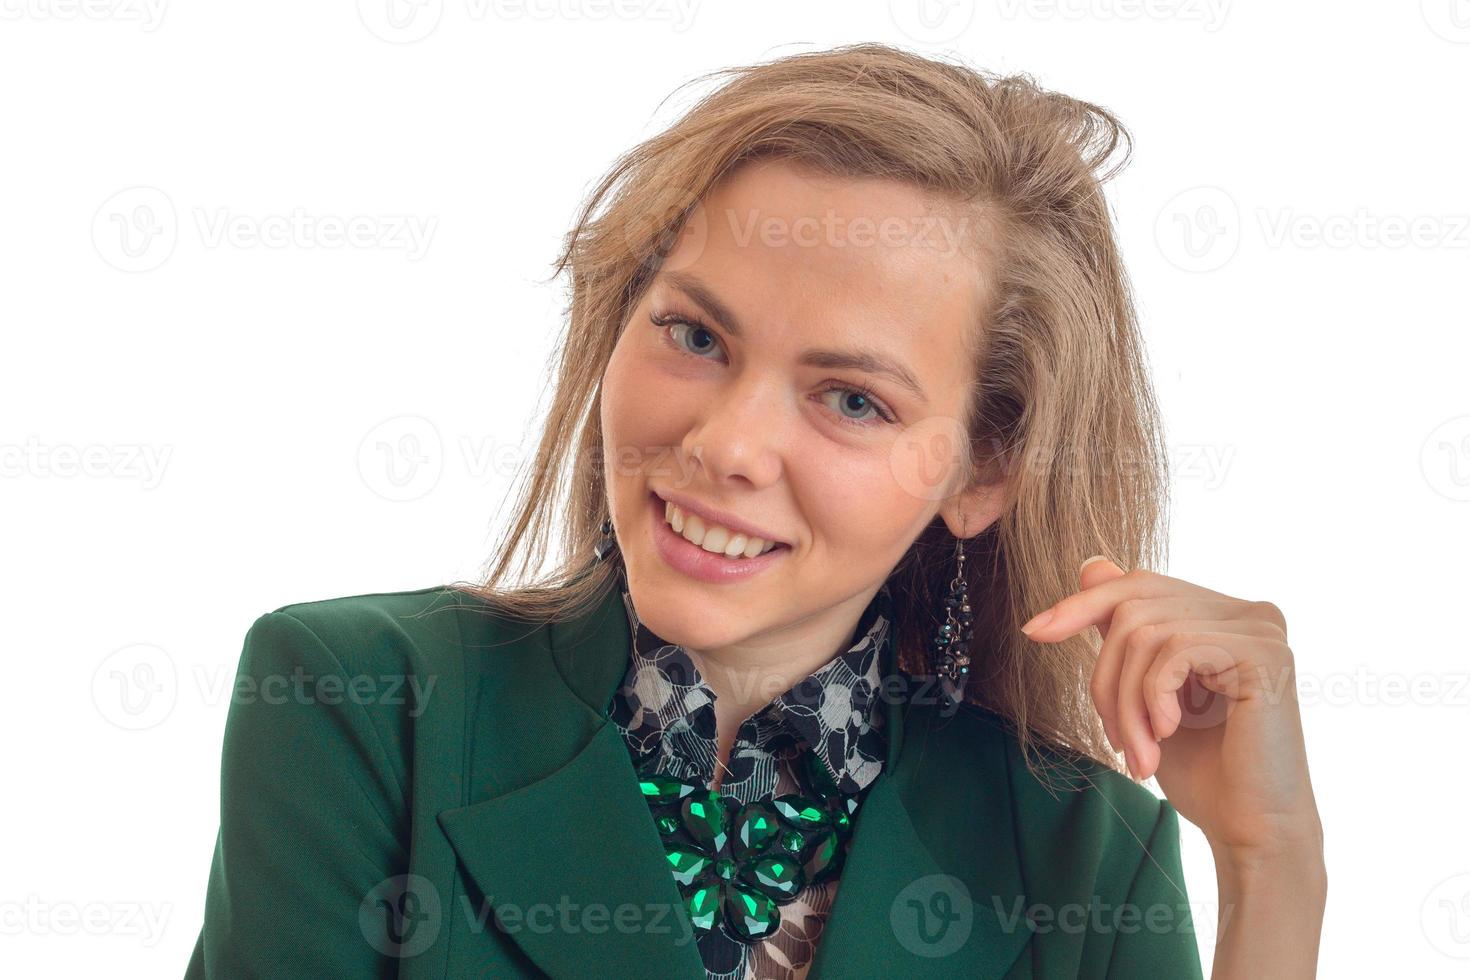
{"x": 608, "y": 542}
{"x": 952, "y": 641}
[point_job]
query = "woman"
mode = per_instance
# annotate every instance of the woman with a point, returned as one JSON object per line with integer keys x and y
{"x": 852, "y": 386}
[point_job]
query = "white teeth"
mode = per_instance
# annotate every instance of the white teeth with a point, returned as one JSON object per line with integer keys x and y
{"x": 714, "y": 539}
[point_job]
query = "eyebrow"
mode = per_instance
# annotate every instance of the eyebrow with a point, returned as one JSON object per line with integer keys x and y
{"x": 856, "y": 359}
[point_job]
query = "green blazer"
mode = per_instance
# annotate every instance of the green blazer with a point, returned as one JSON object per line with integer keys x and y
{"x": 416, "y": 786}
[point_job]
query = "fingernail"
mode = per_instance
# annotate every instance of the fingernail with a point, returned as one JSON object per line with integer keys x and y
{"x": 1037, "y": 621}
{"x": 1091, "y": 560}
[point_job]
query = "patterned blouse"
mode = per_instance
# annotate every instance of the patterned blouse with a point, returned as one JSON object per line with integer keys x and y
{"x": 664, "y": 707}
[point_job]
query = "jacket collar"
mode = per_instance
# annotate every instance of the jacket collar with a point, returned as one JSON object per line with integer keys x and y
{"x": 540, "y": 852}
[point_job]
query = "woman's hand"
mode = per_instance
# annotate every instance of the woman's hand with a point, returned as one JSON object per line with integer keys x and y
{"x": 1198, "y": 688}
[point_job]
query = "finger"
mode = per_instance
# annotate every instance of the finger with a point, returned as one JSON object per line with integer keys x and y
{"x": 1092, "y": 606}
{"x": 1206, "y": 655}
{"x": 1127, "y": 616}
{"x": 1163, "y": 712}
{"x": 1094, "y": 572}
{"x": 1169, "y": 616}
{"x": 1139, "y": 741}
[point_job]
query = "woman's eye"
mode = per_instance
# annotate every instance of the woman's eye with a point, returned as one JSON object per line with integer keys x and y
{"x": 689, "y": 335}
{"x": 859, "y": 401}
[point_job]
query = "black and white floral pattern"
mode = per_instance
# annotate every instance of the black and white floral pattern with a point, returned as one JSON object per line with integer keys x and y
{"x": 664, "y": 708}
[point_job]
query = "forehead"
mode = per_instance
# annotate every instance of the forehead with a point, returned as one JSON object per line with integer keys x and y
{"x": 816, "y": 259}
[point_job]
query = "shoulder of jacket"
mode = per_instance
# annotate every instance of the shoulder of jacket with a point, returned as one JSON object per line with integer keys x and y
{"x": 423, "y": 630}
{"x": 1059, "y": 786}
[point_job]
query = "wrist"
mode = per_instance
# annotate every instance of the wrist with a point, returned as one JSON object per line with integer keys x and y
{"x": 1297, "y": 865}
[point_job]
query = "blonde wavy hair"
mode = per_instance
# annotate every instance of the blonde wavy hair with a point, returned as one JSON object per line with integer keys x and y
{"x": 1062, "y": 408}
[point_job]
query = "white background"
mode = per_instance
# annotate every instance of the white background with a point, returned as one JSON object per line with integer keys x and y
{"x": 199, "y": 428}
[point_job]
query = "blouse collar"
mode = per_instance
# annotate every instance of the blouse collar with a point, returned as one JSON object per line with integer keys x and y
{"x": 835, "y": 710}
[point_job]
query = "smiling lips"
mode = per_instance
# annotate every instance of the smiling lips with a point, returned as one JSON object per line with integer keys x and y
{"x": 713, "y": 538}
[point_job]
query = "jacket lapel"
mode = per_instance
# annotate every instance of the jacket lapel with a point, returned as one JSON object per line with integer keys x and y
{"x": 575, "y": 852}
{"x": 571, "y": 862}
{"x": 895, "y": 904}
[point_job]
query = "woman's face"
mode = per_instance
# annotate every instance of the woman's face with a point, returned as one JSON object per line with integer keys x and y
{"x": 738, "y": 385}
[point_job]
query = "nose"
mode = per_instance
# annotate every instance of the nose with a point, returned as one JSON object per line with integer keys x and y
{"x": 741, "y": 435}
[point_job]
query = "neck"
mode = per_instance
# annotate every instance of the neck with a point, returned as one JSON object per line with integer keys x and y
{"x": 745, "y": 677}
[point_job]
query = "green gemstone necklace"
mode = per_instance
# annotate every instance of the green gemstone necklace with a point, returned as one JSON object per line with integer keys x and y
{"x": 734, "y": 864}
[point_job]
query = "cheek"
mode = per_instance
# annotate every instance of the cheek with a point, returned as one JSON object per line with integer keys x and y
{"x": 855, "y": 504}
{"x": 642, "y": 414}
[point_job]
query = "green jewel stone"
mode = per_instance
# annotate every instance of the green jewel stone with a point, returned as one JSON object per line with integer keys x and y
{"x": 823, "y": 858}
{"x": 685, "y": 864}
{"x": 703, "y": 904}
{"x": 799, "y": 811}
{"x": 668, "y": 824}
{"x": 750, "y": 915}
{"x": 778, "y": 877}
{"x": 704, "y": 818}
{"x": 793, "y": 841}
{"x": 842, "y": 820}
{"x": 657, "y": 788}
{"x": 725, "y": 868}
{"x": 755, "y": 826}
{"x": 818, "y": 775}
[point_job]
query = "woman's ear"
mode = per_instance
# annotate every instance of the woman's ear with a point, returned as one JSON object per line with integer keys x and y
{"x": 977, "y": 507}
